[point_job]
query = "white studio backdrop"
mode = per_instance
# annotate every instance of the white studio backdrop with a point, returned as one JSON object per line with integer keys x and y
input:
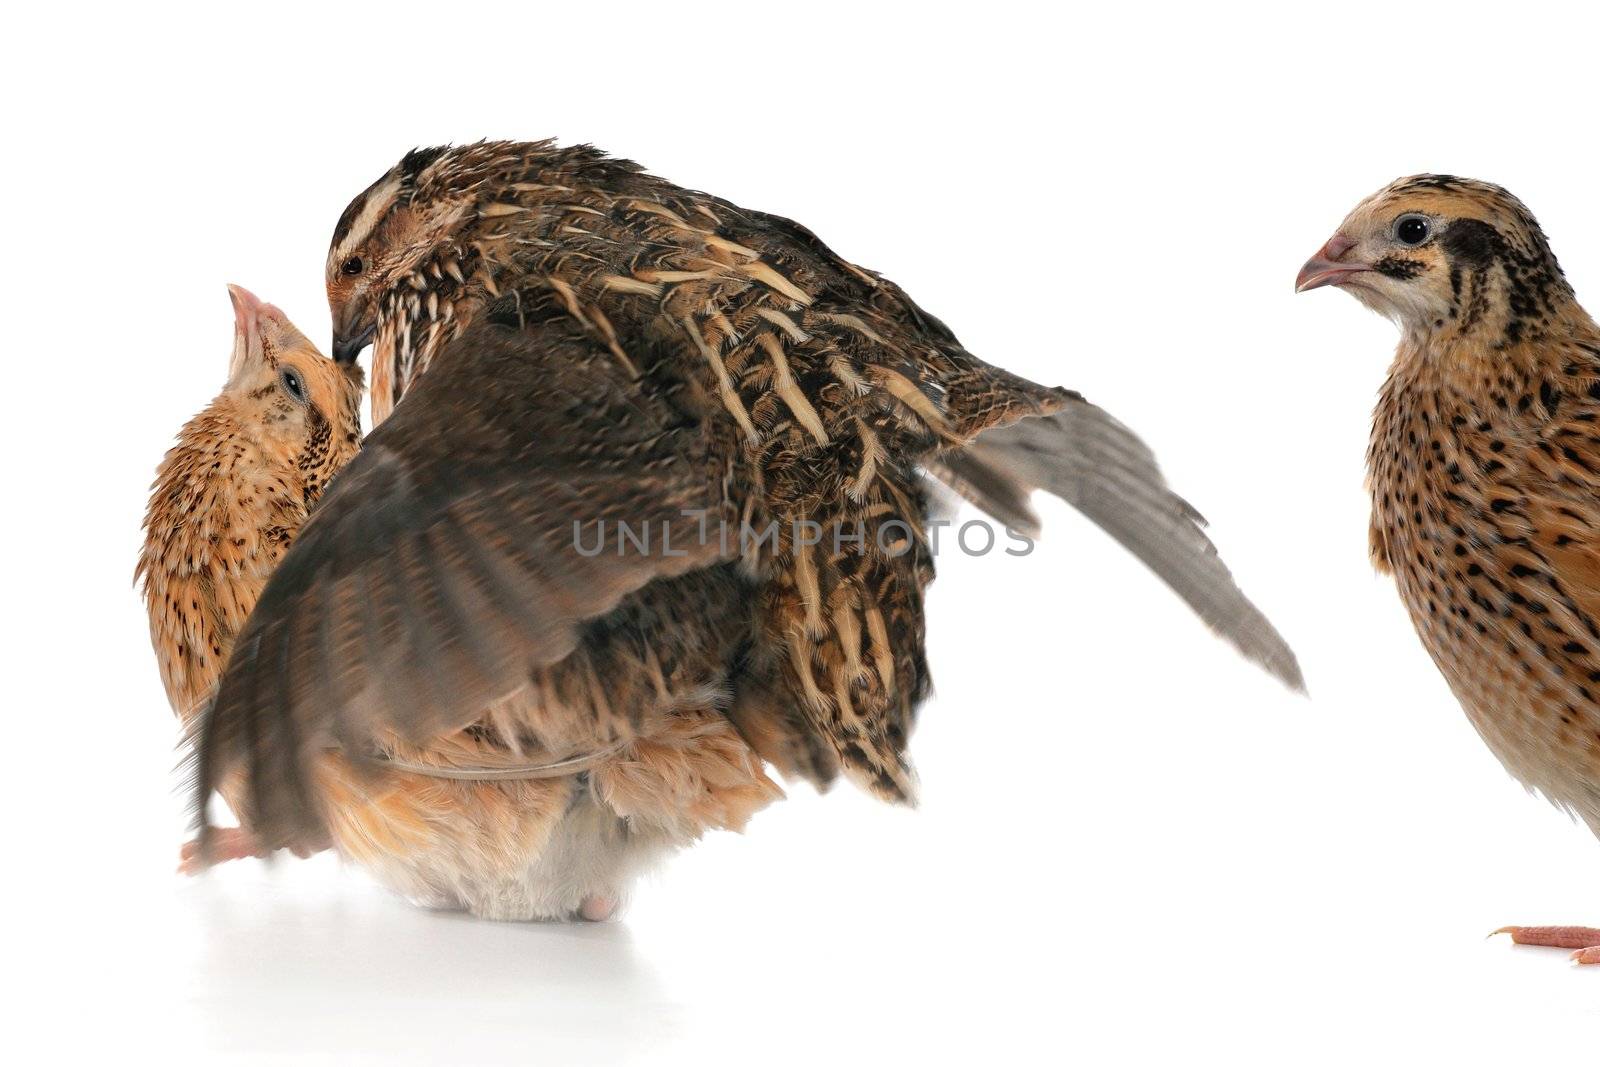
{"x": 1132, "y": 847}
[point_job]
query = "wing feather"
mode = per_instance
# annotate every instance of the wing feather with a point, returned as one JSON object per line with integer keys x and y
{"x": 1092, "y": 461}
{"x": 441, "y": 567}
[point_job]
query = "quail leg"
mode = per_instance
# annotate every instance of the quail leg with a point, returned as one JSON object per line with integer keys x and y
{"x": 1584, "y": 940}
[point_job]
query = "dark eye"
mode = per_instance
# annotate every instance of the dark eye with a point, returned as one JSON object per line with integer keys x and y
{"x": 293, "y": 385}
{"x": 1413, "y": 230}
{"x": 352, "y": 265}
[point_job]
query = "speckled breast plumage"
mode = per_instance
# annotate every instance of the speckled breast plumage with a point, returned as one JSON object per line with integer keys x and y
{"x": 1480, "y": 505}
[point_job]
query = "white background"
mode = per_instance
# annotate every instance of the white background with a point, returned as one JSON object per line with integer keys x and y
{"x": 1133, "y": 848}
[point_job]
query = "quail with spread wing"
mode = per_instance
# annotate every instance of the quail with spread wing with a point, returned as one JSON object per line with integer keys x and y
{"x": 1484, "y": 470}
{"x": 642, "y": 453}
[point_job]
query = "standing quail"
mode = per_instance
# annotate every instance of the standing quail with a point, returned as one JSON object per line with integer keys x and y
{"x": 641, "y": 454}
{"x": 1484, "y": 470}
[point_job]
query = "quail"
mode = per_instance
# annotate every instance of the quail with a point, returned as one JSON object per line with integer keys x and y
{"x": 640, "y": 456}
{"x": 230, "y": 496}
{"x": 1484, "y": 472}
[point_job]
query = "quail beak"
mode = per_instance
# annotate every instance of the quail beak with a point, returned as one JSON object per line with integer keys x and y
{"x": 250, "y": 315}
{"x": 349, "y": 335}
{"x": 347, "y": 348}
{"x": 1327, "y": 267}
{"x": 249, "y": 310}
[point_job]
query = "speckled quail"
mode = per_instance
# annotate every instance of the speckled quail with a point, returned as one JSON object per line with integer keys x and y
{"x": 1484, "y": 470}
{"x": 230, "y": 496}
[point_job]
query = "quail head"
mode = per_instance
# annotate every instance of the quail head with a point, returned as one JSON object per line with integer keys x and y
{"x": 646, "y": 463}
{"x": 1484, "y": 470}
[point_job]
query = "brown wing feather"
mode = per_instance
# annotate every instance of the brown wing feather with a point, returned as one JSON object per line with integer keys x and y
{"x": 441, "y": 567}
{"x": 830, "y": 387}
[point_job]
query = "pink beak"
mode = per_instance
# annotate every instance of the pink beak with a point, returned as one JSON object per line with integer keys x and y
{"x": 1325, "y": 268}
{"x": 252, "y": 319}
{"x": 248, "y": 311}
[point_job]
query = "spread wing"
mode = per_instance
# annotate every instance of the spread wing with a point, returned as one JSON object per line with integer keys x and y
{"x": 1099, "y": 466}
{"x": 1029, "y": 437}
{"x": 456, "y": 554}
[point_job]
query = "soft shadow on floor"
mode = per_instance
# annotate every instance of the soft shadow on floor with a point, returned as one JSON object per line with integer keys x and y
{"x": 358, "y": 974}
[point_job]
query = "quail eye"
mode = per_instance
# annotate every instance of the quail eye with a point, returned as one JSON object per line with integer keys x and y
{"x": 353, "y": 265}
{"x": 1413, "y": 230}
{"x": 293, "y": 385}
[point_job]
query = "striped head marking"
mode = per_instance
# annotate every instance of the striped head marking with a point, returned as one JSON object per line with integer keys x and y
{"x": 386, "y": 236}
{"x": 402, "y": 258}
{"x": 1445, "y": 256}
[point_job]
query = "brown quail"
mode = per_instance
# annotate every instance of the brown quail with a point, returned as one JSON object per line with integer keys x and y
{"x": 1484, "y": 470}
{"x": 642, "y": 454}
{"x": 230, "y": 496}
